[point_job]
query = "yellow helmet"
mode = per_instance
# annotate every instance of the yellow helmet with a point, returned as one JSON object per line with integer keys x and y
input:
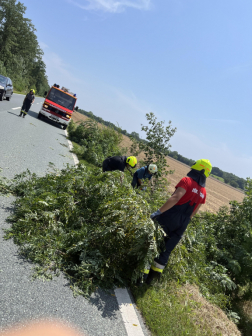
{"x": 203, "y": 164}
{"x": 132, "y": 161}
{"x": 32, "y": 90}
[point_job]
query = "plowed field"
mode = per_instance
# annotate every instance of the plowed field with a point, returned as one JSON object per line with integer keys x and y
{"x": 218, "y": 193}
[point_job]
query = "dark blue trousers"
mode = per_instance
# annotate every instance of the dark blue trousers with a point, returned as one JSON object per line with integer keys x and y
{"x": 174, "y": 223}
{"x": 26, "y": 106}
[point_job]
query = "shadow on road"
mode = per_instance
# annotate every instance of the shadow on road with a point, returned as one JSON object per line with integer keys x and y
{"x": 105, "y": 302}
{"x": 17, "y": 115}
{"x": 43, "y": 119}
{"x": 35, "y": 115}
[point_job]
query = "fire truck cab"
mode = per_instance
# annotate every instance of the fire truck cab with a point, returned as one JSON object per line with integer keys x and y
{"x": 58, "y": 105}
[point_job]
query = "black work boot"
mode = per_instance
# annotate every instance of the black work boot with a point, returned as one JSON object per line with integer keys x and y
{"x": 153, "y": 275}
{"x": 142, "y": 280}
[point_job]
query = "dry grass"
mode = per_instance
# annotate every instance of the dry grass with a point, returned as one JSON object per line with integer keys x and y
{"x": 173, "y": 310}
{"x": 209, "y": 316}
{"x": 247, "y": 308}
{"x": 218, "y": 194}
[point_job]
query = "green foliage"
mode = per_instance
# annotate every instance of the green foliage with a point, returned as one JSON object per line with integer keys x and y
{"x": 97, "y": 230}
{"x": 216, "y": 253}
{"x": 218, "y": 178}
{"x": 229, "y": 178}
{"x": 5, "y": 186}
{"x": 96, "y": 143}
{"x": 181, "y": 158}
{"x": 155, "y": 147}
{"x": 2, "y": 69}
{"x": 106, "y": 123}
{"x": 88, "y": 224}
{"x": 21, "y": 56}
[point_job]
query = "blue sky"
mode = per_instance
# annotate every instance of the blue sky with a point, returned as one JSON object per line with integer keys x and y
{"x": 188, "y": 61}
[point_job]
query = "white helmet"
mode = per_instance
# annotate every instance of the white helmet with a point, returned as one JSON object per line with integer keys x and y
{"x": 152, "y": 168}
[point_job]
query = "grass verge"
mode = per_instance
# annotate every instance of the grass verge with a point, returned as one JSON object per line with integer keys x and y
{"x": 167, "y": 312}
{"x": 173, "y": 310}
{"x": 78, "y": 151}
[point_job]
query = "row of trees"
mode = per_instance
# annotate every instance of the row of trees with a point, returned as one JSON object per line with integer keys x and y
{"x": 21, "y": 55}
{"x": 109, "y": 124}
{"x": 175, "y": 155}
{"x": 229, "y": 178}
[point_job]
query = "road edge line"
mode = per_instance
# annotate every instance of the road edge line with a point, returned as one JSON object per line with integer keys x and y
{"x": 129, "y": 315}
{"x": 126, "y": 307}
{"x": 75, "y": 158}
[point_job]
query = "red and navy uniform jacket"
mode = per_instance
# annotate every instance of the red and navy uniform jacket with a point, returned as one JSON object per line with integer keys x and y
{"x": 178, "y": 217}
{"x": 194, "y": 192}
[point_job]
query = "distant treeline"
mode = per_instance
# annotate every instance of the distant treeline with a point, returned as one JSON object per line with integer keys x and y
{"x": 229, "y": 178}
{"x": 108, "y": 123}
{"x": 21, "y": 55}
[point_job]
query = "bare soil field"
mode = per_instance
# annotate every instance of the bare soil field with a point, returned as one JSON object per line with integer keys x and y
{"x": 218, "y": 193}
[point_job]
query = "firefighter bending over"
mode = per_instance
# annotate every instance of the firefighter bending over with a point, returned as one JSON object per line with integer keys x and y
{"x": 29, "y": 99}
{"x": 176, "y": 213}
{"x": 119, "y": 163}
{"x": 143, "y": 173}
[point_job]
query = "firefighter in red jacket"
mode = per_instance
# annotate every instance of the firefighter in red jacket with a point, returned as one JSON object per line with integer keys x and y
{"x": 176, "y": 213}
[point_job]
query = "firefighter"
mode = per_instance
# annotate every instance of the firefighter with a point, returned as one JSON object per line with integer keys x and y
{"x": 119, "y": 163}
{"x": 29, "y": 99}
{"x": 176, "y": 213}
{"x": 143, "y": 173}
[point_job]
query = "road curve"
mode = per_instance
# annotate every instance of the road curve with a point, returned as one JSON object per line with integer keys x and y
{"x": 30, "y": 143}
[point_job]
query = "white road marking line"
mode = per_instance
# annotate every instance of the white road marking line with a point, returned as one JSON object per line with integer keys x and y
{"x": 129, "y": 316}
{"x": 15, "y": 108}
{"x": 75, "y": 158}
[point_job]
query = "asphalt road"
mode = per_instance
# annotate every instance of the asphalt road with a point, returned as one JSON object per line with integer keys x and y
{"x": 30, "y": 143}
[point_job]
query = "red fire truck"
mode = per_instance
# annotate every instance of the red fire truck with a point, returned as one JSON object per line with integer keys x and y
{"x": 58, "y": 105}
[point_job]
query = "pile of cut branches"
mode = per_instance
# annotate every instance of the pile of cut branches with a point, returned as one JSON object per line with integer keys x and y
{"x": 84, "y": 223}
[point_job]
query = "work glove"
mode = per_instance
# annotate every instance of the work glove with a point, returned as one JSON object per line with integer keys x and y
{"x": 155, "y": 214}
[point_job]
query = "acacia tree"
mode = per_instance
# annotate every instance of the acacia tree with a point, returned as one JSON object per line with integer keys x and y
{"x": 156, "y": 146}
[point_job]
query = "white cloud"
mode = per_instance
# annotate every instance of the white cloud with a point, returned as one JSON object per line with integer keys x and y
{"x": 43, "y": 45}
{"x": 225, "y": 121}
{"x": 112, "y": 6}
{"x": 132, "y": 102}
{"x": 57, "y": 69}
{"x": 238, "y": 69}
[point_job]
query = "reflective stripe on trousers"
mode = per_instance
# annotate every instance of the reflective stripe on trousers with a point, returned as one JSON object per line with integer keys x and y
{"x": 157, "y": 267}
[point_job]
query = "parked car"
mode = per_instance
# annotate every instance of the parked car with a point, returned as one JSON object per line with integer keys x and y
{"x": 6, "y": 88}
